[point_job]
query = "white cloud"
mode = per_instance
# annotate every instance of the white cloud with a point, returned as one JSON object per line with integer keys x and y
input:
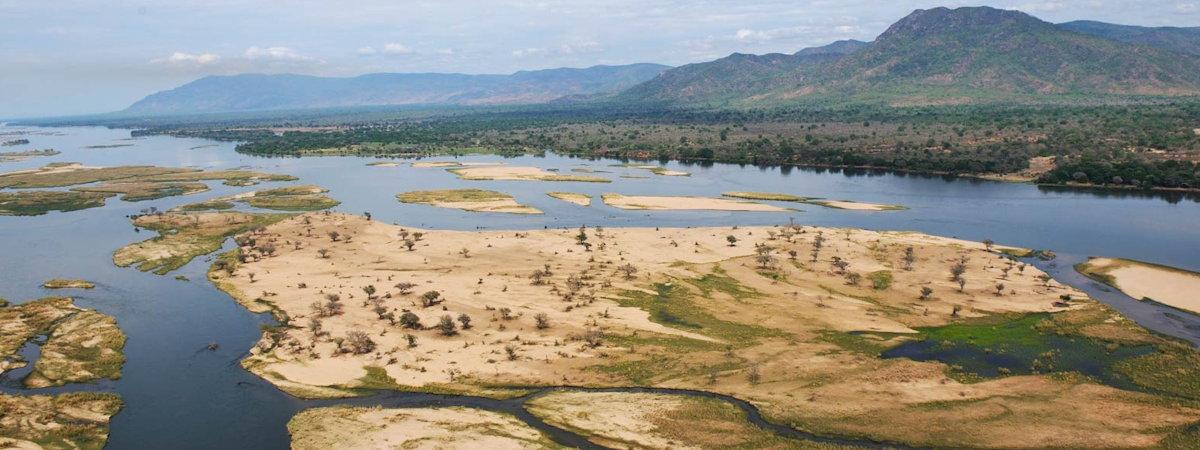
{"x": 184, "y": 58}
{"x": 1187, "y": 8}
{"x": 396, "y": 48}
{"x": 523, "y": 52}
{"x": 366, "y": 51}
{"x": 1048, "y": 6}
{"x": 748, "y": 35}
{"x": 580, "y": 47}
{"x": 275, "y": 54}
{"x": 445, "y": 51}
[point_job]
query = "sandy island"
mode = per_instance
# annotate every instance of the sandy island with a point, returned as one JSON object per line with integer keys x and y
{"x": 683, "y": 203}
{"x": 518, "y": 173}
{"x": 572, "y": 197}
{"x": 1145, "y": 281}
{"x": 762, "y": 313}
{"x": 478, "y": 200}
{"x": 412, "y": 428}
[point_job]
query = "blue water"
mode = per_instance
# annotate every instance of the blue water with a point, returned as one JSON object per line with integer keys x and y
{"x": 180, "y": 396}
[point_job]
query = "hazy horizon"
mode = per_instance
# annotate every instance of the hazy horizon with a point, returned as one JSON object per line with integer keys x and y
{"x": 74, "y": 57}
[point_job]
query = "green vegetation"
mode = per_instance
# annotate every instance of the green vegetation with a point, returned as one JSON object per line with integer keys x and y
{"x": 672, "y": 305}
{"x": 292, "y": 198}
{"x": 452, "y": 196}
{"x": 36, "y": 203}
{"x": 208, "y": 205}
{"x": 1075, "y": 342}
{"x": 139, "y": 191}
{"x": 719, "y": 281}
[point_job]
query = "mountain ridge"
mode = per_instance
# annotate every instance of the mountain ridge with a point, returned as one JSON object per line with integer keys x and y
{"x": 251, "y": 92}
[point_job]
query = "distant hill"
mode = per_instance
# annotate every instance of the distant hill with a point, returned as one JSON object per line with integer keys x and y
{"x": 732, "y": 77}
{"x": 255, "y": 92}
{"x": 1176, "y": 39}
{"x": 938, "y": 55}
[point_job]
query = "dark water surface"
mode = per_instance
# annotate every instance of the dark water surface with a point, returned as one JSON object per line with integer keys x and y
{"x": 180, "y": 396}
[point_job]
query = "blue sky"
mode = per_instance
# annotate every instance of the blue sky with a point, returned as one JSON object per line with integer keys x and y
{"x": 82, "y": 56}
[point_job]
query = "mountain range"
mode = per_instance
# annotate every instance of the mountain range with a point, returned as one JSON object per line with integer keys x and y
{"x": 934, "y": 56}
{"x": 254, "y": 92}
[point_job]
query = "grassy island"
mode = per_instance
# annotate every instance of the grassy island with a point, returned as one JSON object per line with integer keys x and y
{"x": 184, "y": 236}
{"x": 63, "y": 283}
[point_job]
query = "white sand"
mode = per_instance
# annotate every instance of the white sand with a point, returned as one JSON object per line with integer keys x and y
{"x": 682, "y": 203}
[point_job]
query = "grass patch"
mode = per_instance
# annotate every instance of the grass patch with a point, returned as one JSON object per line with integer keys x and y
{"x": 672, "y": 305}
{"x": 770, "y": 196}
{"x": 184, "y": 236}
{"x": 139, "y": 191}
{"x": 719, "y": 281}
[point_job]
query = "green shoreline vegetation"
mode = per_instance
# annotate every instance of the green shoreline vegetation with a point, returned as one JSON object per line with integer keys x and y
{"x": 1125, "y": 144}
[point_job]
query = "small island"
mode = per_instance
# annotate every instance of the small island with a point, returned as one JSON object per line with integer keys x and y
{"x": 63, "y": 283}
{"x": 516, "y": 173}
{"x": 684, "y": 203}
{"x": 572, "y": 197}
{"x": 478, "y": 200}
{"x": 1170, "y": 286}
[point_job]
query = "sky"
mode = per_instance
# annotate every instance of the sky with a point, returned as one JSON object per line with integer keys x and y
{"x": 65, "y": 57}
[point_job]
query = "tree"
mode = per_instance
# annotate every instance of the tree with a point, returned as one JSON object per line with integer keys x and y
{"x": 359, "y": 342}
{"x": 542, "y": 320}
{"x": 999, "y": 288}
{"x": 410, "y": 321}
{"x": 334, "y": 235}
{"x": 314, "y": 326}
{"x": 954, "y": 311}
{"x": 446, "y": 325}
{"x": 593, "y": 337}
{"x": 957, "y": 270}
{"x": 430, "y": 298}
{"x": 582, "y": 238}
{"x": 409, "y": 244}
{"x": 511, "y": 351}
{"x": 840, "y": 264}
{"x": 405, "y": 287}
{"x": 732, "y": 240}
{"x": 465, "y": 252}
{"x": 323, "y": 253}
{"x": 909, "y": 257}
{"x": 412, "y": 340}
{"x": 988, "y": 243}
{"x": 629, "y": 271}
{"x": 962, "y": 284}
{"x": 505, "y": 313}
{"x": 852, "y": 278}
{"x": 753, "y": 375}
{"x": 926, "y": 292}
{"x": 763, "y": 256}
{"x": 465, "y": 320}
{"x": 369, "y": 290}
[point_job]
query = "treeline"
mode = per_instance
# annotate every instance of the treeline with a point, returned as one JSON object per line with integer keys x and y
{"x": 1134, "y": 141}
{"x": 1128, "y": 172}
